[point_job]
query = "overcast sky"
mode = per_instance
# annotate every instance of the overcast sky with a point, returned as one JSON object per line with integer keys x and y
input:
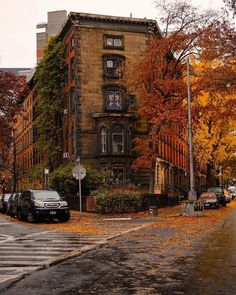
{"x": 18, "y": 19}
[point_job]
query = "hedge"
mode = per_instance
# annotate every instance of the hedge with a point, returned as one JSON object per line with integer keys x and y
{"x": 118, "y": 201}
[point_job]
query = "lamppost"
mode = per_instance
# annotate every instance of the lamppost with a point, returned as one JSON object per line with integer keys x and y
{"x": 14, "y": 160}
{"x": 192, "y": 193}
{"x": 79, "y": 178}
{"x": 46, "y": 178}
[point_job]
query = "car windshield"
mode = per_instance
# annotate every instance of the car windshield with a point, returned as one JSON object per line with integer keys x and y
{"x": 45, "y": 195}
{"x": 232, "y": 190}
{"x": 215, "y": 189}
{"x": 6, "y": 197}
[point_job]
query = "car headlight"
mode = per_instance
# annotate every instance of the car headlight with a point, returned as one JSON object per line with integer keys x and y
{"x": 39, "y": 204}
{"x": 64, "y": 204}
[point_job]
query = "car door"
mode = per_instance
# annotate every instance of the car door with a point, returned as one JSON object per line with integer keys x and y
{"x": 25, "y": 202}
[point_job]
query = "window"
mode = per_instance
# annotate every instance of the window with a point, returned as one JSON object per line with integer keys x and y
{"x": 72, "y": 43}
{"x": 117, "y": 139}
{"x": 118, "y": 173}
{"x": 66, "y": 50}
{"x": 113, "y": 67}
{"x": 116, "y": 42}
{"x": 132, "y": 100}
{"x": 72, "y": 68}
{"x": 114, "y": 99}
{"x": 72, "y": 99}
{"x": 66, "y": 73}
{"x": 103, "y": 138}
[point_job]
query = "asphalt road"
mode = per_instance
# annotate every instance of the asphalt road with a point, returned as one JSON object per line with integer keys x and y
{"x": 141, "y": 262}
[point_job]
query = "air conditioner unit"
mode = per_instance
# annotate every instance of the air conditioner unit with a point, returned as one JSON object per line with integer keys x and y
{"x": 65, "y": 155}
{"x": 65, "y": 111}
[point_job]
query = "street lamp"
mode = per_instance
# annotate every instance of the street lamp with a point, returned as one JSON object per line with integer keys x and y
{"x": 14, "y": 160}
{"x": 192, "y": 193}
{"x": 79, "y": 176}
{"x": 46, "y": 176}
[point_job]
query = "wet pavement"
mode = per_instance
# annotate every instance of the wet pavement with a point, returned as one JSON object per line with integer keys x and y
{"x": 214, "y": 269}
{"x": 155, "y": 259}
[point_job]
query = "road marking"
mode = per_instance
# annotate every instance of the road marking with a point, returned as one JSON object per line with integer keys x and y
{"x": 4, "y": 278}
{"x": 5, "y": 238}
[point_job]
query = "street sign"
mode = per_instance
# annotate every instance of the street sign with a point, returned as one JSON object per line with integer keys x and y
{"x": 79, "y": 172}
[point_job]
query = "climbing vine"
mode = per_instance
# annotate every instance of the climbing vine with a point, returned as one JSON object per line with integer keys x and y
{"x": 50, "y": 78}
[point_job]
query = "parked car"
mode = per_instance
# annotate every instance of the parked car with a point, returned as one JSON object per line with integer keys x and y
{"x": 227, "y": 196}
{"x": 12, "y": 204}
{"x": 232, "y": 191}
{"x": 34, "y": 204}
{"x": 3, "y": 202}
{"x": 210, "y": 200}
{"x": 220, "y": 194}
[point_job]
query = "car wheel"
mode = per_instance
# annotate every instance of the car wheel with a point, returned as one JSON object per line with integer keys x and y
{"x": 64, "y": 218}
{"x": 11, "y": 212}
{"x": 30, "y": 217}
{"x": 19, "y": 215}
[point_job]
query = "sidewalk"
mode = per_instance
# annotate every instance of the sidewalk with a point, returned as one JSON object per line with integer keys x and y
{"x": 112, "y": 224}
{"x": 156, "y": 257}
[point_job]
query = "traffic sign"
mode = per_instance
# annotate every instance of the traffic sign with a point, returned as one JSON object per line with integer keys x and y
{"x": 79, "y": 172}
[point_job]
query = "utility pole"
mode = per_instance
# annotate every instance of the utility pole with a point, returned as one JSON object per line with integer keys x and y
{"x": 14, "y": 161}
{"x": 192, "y": 193}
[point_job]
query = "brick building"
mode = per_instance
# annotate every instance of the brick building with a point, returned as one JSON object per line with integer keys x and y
{"x": 100, "y": 117}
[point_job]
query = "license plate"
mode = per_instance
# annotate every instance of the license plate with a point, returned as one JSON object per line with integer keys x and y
{"x": 207, "y": 205}
{"x": 53, "y": 212}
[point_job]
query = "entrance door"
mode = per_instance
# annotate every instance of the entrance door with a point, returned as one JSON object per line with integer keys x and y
{"x": 118, "y": 173}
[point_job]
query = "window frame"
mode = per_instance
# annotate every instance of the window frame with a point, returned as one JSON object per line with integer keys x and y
{"x": 122, "y": 142}
{"x": 113, "y": 46}
{"x": 103, "y": 140}
{"x": 116, "y": 71}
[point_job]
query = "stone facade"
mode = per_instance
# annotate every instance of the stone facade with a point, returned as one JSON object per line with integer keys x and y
{"x": 100, "y": 118}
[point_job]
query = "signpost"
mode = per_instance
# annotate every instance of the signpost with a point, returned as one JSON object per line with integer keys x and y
{"x": 79, "y": 172}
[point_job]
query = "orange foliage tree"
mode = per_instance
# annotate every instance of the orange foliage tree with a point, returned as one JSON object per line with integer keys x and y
{"x": 215, "y": 98}
{"x": 159, "y": 77}
{"x": 11, "y": 90}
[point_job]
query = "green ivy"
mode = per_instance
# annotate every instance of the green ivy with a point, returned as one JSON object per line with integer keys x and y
{"x": 50, "y": 77}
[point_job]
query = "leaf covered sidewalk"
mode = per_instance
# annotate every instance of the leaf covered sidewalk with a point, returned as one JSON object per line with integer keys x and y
{"x": 113, "y": 224}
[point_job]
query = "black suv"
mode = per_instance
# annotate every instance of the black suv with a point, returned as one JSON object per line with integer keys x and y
{"x": 3, "y": 203}
{"x": 219, "y": 191}
{"x": 34, "y": 204}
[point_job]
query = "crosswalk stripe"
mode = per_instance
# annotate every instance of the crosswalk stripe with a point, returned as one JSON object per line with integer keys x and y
{"x": 21, "y": 263}
{"x": 22, "y": 257}
{"x": 4, "y": 278}
{"x": 29, "y": 252}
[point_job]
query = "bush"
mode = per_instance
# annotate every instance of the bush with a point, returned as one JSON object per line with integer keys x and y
{"x": 62, "y": 180}
{"x": 119, "y": 201}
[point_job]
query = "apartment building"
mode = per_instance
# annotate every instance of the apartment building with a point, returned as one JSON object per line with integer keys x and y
{"x": 100, "y": 118}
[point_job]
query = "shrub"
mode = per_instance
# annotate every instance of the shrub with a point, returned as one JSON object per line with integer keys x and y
{"x": 62, "y": 180}
{"x": 118, "y": 201}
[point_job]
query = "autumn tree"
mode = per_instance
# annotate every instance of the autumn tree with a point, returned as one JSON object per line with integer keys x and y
{"x": 215, "y": 98}
{"x": 231, "y": 4}
{"x": 12, "y": 89}
{"x": 160, "y": 77}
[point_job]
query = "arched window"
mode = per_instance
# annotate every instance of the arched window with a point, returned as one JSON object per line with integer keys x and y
{"x": 117, "y": 139}
{"x": 103, "y": 140}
